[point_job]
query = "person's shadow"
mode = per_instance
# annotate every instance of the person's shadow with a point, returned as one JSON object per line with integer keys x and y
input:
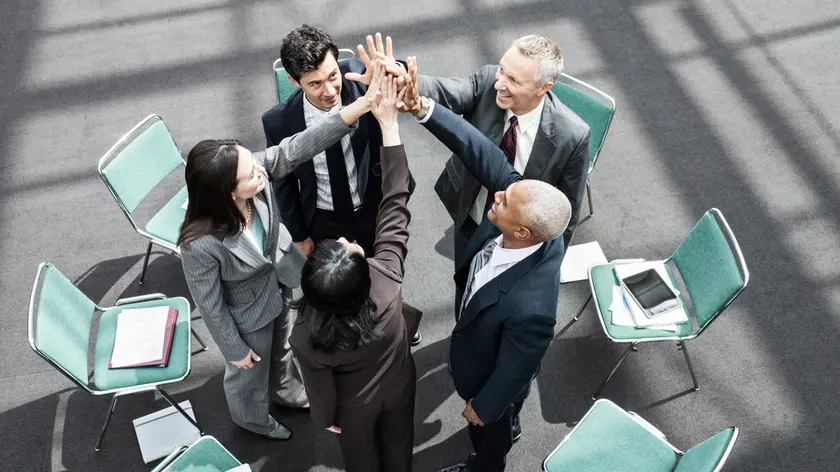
{"x": 446, "y": 245}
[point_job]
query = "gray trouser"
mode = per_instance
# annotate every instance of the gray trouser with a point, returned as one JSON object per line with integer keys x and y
{"x": 277, "y": 376}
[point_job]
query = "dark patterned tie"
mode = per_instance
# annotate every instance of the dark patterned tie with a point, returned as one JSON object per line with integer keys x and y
{"x": 479, "y": 261}
{"x": 508, "y": 145}
{"x": 339, "y": 185}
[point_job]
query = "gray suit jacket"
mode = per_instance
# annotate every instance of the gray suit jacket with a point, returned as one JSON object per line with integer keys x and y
{"x": 236, "y": 287}
{"x": 561, "y": 149}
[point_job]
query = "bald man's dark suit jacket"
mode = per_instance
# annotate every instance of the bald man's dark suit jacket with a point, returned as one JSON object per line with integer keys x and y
{"x": 561, "y": 149}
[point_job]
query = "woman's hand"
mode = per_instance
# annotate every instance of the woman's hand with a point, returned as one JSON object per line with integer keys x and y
{"x": 334, "y": 429}
{"x": 385, "y": 110}
{"x": 248, "y": 361}
{"x": 373, "y": 92}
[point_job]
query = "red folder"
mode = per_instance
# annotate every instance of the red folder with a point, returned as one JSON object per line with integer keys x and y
{"x": 167, "y": 345}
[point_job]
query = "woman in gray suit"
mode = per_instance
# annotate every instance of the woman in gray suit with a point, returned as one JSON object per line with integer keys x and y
{"x": 241, "y": 265}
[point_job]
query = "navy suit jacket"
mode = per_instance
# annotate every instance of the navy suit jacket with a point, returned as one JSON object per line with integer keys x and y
{"x": 502, "y": 334}
{"x": 297, "y": 193}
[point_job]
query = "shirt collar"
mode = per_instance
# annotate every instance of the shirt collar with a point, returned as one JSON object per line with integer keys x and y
{"x": 502, "y": 256}
{"x": 315, "y": 111}
{"x": 528, "y": 121}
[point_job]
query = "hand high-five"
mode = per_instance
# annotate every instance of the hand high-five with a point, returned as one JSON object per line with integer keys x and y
{"x": 411, "y": 96}
{"x": 384, "y": 52}
{"x": 385, "y": 109}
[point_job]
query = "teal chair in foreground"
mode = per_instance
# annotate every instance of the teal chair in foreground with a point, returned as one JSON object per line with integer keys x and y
{"x": 711, "y": 265}
{"x": 283, "y": 87}
{"x": 134, "y": 166}
{"x": 594, "y": 107}
{"x": 60, "y": 322}
{"x": 205, "y": 455}
{"x": 610, "y": 439}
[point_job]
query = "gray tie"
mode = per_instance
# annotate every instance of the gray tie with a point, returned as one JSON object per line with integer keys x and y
{"x": 479, "y": 261}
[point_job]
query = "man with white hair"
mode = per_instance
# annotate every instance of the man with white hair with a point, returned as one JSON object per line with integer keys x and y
{"x": 512, "y": 104}
{"x": 509, "y": 275}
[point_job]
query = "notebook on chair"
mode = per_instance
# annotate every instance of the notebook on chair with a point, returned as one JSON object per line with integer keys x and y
{"x": 143, "y": 337}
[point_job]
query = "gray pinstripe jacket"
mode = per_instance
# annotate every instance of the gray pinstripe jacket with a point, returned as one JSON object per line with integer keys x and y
{"x": 237, "y": 288}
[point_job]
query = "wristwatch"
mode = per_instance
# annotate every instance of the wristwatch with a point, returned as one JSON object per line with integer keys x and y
{"x": 425, "y": 103}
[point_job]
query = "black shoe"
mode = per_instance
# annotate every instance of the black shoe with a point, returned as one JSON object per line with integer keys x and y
{"x": 460, "y": 467}
{"x": 417, "y": 339}
{"x": 280, "y": 433}
{"x": 517, "y": 428}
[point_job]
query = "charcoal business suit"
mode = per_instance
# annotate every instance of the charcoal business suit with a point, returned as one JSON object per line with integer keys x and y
{"x": 504, "y": 330}
{"x": 560, "y": 155}
{"x": 240, "y": 290}
{"x": 369, "y": 392}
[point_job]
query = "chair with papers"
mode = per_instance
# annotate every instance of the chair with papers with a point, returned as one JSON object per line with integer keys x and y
{"x": 608, "y": 438}
{"x": 205, "y": 455}
{"x": 139, "y": 161}
{"x": 709, "y": 262}
{"x": 61, "y": 319}
{"x": 594, "y": 107}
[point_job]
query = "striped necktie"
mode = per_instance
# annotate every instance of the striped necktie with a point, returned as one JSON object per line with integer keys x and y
{"x": 508, "y": 146}
{"x": 479, "y": 261}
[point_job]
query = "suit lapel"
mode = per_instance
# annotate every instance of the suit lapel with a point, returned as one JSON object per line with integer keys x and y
{"x": 545, "y": 143}
{"x": 244, "y": 250}
{"x": 263, "y": 207}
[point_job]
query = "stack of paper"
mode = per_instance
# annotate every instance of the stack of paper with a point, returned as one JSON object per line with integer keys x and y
{"x": 625, "y": 310}
{"x": 143, "y": 337}
{"x": 578, "y": 259}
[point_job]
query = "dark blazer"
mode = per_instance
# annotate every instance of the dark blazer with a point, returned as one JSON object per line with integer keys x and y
{"x": 235, "y": 285}
{"x": 297, "y": 193}
{"x": 505, "y": 329}
{"x": 384, "y": 367}
{"x": 561, "y": 149}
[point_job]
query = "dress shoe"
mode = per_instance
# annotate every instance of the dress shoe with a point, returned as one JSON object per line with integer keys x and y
{"x": 417, "y": 339}
{"x": 279, "y": 433}
{"x": 517, "y": 428}
{"x": 460, "y": 467}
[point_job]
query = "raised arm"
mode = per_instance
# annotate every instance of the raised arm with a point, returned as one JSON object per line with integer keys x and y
{"x": 459, "y": 95}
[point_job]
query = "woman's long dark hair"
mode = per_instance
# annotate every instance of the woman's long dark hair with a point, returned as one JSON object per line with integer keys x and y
{"x": 336, "y": 291}
{"x": 211, "y": 178}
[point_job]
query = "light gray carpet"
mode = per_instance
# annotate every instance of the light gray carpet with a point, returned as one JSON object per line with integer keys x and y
{"x": 721, "y": 103}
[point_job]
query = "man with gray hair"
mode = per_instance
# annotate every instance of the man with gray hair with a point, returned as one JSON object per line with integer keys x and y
{"x": 512, "y": 104}
{"x": 509, "y": 278}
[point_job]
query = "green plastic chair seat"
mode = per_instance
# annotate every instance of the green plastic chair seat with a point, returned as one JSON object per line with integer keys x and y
{"x": 166, "y": 224}
{"x": 205, "y": 455}
{"x": 706, "y": 456}
{"x": 177, "y": 368}
{"x": 607, "y": 439}
{"x": 603, "y": 280}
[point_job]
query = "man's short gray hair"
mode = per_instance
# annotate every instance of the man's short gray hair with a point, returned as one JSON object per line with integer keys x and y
{"x": 546, "y": 52}
{"x": 547, "y": 212}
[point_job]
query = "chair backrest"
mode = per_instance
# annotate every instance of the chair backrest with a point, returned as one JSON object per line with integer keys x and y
{"x": 60, "y": 318}
{"x": 709, "y": 455}
{"x": 712, "y": 266}
{"x": 596, "y": 112}
{"x": 205, "y": 455}
{"x": 608, "y": 438}
{"x": 284, "y": 87}
{"x": 138, "y": 162}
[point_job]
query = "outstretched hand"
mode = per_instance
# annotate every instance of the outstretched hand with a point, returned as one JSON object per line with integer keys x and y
{"x": 376, "y": 51}
{"x": 410, "y": 101}
{"x": 373, "y": 92}
{"x": 385, "y": 109}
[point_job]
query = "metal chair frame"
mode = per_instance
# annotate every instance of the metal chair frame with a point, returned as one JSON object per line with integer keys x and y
{"x": 742, "y": 266}
{"x": 611, "y": 101}
{"x": 117, "y": 392}
{"x": 104, "y": 161}
{"x": 645, "y": 424}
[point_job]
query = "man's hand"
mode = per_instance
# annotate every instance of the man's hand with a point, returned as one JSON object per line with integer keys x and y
{"x": 471, "y": 416}
{"x": 306, "y": 246}
{"x": 334, "y": 429}
{"x": 385, "y": 109}
{"x": 378, "y": 51}
{"x": 248, "y": 361}
{"x": 411, "y": 94}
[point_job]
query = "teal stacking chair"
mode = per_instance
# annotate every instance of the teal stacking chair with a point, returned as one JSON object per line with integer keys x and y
{"x": 594, "y": 107}
{"x": 610, "y": 439}
{"x": 134, "y": 166}
{"x": 205, "y": 455}
{"x": 283, "y": 86}
{"x": 709, "y": 262}
{"x": 61, "y": 319}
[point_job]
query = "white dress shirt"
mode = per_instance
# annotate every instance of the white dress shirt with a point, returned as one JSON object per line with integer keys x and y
{"x": 501, "y": 260}
{"x": 324, "y": 200}
{"x": 526, "y": 134}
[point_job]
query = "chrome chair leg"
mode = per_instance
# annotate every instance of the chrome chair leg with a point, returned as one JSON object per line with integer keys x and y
{"x": 580, "y": 312}
{"x": 198, "y": 338}
{"x": 145, "y": 262}
{"x": 105, "y": 426}
{"x": 180, "y": 410}
{"x": 589, "y": 198}
{"x": 617, "y": 365}
{"x": 681, "y": 345}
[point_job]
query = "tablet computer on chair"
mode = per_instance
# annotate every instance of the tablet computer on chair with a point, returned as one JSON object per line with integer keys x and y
{"x": 649, "y": 291}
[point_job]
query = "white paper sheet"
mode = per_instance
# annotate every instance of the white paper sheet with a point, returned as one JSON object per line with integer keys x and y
{"x": 578, "y": 259}
{"x": 185, "y": 204}
{"x": 630, "y": 313}
{"x": 140, "y": 336}
{"x": 241, "y": 468}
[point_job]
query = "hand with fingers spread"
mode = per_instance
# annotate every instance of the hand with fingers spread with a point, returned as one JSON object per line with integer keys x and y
{"x": 376, "y": 51}
{"x": 411, "y": 94}
{"x": 385, "y": 110}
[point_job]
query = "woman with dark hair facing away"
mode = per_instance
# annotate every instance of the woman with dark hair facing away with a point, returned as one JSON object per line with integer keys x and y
{"x": 350, "y": 336}
{"x": 241, "y": 265}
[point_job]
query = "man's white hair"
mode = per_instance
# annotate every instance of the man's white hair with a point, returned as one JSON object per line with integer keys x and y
{"x": 547, "y": 212}
{"x": 546, "y": 52}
